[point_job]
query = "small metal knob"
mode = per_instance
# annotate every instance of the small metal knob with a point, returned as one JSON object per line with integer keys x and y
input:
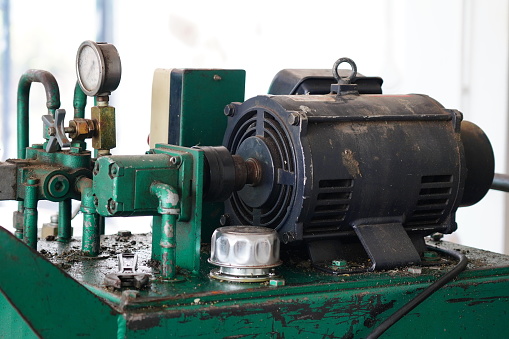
{"x": 244, "y": 253}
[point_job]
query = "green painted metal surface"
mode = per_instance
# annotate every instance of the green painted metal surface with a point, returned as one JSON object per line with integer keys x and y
{"x": 197, "y": 101}
{"x": 51, "y": 302}
{"x": 311, "y": 304}
{"x": 189, "y": 225}
{"x": 12, "y": 324}
{"x": 198, "y": 98}
{"x": 122, "y": 188}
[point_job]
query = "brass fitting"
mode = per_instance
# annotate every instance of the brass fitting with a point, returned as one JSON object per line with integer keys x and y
{"x": 104, "y": 137}
{"x": 81, "y": 129}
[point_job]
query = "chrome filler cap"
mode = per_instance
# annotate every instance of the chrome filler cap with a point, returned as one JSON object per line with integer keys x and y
{"x": 244, "y": 253}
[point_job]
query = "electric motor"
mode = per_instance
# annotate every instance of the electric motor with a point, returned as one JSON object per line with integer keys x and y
{"x": 330, "y": 162}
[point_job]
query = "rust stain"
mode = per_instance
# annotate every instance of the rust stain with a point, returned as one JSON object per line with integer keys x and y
{"x": 350, "y": 163}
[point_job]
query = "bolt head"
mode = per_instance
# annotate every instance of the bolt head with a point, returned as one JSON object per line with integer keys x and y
{"x": 175, "y": 161}
{"x": 294, "y": 119}
{"x": 229, "y": 110}
{"x": 112, "y": 206}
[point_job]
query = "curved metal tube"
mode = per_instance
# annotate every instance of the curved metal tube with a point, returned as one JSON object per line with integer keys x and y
{"x": 52, "y": 102}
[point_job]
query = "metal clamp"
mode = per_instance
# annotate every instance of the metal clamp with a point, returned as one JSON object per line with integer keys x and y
{"x": 127, "y": 275}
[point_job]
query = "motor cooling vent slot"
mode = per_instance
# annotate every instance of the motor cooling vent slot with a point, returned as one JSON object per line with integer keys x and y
{"x": 332, "y": 204}
{"x": 263, "y": 124}
{"x": 434, "y": 196}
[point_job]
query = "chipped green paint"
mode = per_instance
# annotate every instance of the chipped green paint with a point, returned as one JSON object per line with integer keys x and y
{"x": 311, "y": 304}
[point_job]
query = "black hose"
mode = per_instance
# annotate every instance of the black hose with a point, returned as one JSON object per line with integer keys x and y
{"x": 449, "y": 276}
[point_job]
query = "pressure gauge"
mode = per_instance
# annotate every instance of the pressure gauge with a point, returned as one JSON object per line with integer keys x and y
{"x": 98, "y": 68}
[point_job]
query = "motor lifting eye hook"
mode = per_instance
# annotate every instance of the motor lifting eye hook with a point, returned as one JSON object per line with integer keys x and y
{"x": 348, "y": 79}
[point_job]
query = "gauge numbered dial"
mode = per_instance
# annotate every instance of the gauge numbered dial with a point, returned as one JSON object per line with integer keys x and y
{"x": 98, "y": 68}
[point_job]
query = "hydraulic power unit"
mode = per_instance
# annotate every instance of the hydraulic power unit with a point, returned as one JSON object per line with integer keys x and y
{"x": 315, "y": 211}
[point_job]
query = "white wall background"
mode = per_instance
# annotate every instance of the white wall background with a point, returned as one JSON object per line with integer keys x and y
{"x": 455, "y": 51}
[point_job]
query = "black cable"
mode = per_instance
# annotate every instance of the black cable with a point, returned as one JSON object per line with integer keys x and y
{"x": 449, "y": 276}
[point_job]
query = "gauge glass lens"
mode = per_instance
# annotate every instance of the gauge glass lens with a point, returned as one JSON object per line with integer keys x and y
{"x": 89, "y": 68}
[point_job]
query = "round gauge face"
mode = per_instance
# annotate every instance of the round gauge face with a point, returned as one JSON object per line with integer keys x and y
{"x": 98, "y": 68}
{"x": 90, "y": 68}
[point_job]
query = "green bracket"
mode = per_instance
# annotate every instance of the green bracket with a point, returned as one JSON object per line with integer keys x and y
{"x": 188, "y": 226}
{"x": 195, "y": 115}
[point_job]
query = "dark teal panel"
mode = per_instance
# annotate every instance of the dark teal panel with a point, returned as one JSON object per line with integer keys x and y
{"x": 12, "y": 324}
{"x": 55, "y": 305}
{"x": 198, "y": 98}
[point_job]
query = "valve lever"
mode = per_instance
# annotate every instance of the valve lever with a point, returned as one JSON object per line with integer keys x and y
{"x": 56, "y": 131}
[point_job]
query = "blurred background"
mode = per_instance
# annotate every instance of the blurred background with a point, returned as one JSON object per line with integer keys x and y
{"x": 454, "y": 51}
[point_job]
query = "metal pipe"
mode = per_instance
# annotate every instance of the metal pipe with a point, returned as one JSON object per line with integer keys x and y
{"x": 156, "y": 237}
{"x": 168, "y": 202}
{"x": 79, "y": 102}
{"x": 64, "y": 220}
{"x": 52, "y": 102}
{"x": 500, "y": 182}
{"x": 91, "y": 238}
{"x": 30, "y": 213}
{"x": 17, "y": 217}
{"x": 6, "y": 76}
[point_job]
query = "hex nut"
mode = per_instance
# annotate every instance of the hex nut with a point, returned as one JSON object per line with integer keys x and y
{"x": 81, "y": 129}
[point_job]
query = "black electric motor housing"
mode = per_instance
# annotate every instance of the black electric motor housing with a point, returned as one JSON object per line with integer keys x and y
{"x": 342, "y": 167}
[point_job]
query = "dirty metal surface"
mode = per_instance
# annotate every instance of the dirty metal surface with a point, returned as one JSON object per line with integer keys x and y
{"x": 311, "y": 304}
{"x": 296, "y": 271}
